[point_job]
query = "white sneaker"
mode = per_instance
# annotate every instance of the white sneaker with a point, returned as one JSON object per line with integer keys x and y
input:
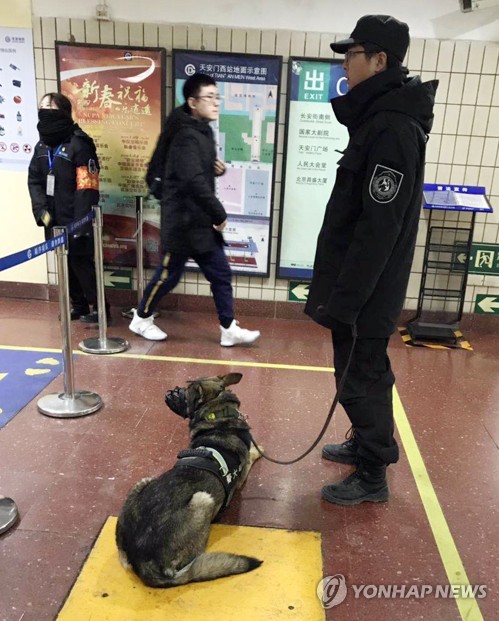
{"x": 234, "y": 335}
{"x": 144, "y": 326}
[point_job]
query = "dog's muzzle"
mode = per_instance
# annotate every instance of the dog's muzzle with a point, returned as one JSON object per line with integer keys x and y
{"x": 177, "y": 402}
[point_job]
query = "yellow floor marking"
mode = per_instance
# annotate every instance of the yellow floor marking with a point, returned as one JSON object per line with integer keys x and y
{"x": 449, "y": 554}
{"x": 283, "y": 588}
{"x": 37, "y": 371}
{"x": 49, "y": 361}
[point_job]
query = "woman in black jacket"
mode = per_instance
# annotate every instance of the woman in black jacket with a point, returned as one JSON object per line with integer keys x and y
{"x": 63, "y": 181}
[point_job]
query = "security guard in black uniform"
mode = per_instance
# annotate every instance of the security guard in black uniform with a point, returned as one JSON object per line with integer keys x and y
{"x": 63, "y": 181}
{"x": 366, "y": 245}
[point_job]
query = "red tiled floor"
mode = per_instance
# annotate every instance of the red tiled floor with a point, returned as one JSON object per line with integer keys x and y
{"x": 67, "y": 476}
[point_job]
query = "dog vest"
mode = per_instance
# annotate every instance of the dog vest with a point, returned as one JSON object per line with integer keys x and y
{"x": 225, "y": 465}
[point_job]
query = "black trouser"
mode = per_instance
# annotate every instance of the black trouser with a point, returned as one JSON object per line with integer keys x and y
{"x": 367, "y": 395}
{"x": 214, "y": 266}
{"x": 81, "y": 272}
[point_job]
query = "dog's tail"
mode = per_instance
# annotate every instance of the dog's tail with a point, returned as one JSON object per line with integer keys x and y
{"x": 206, "y": 566}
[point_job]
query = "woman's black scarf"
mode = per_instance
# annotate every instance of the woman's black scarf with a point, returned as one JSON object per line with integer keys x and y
{"x": 54, "y": 126}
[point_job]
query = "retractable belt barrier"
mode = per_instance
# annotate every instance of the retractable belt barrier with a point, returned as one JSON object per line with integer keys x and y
{"x": 70, "y": 403}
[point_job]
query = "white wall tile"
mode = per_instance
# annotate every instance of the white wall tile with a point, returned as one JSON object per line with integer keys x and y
{"x": 283, "y": 43}
{"x": 268, "y": 42}
{"x": 490, "y": 151}
{"x": 37, "y": 32}
{"x": 461, "y": 150}
{"x": 180, "y": 37}
{"x": 48, "y": 32}
{"x": 432, "y": 149}
{"x": 444, "y": 173}
{"x": 78, "y": 30}
{"x": 475, "y": 58}
{"x": 106, "y": 33}
{"x": 150, "y": 35}
{"x": 490, "y": 58}
{"x": 486, "y": 176}
{"x": 451, "y": 119}
{"x": 461, "y": 51}
{"x": 476, "y": 150}
{"x": 92, "y": 33}
{"x": 253, "y": 41}
{"x": 194, "y": 37}
{"x": 472, "y": 173}
{"x": 493, "y": 122}
{"x": 465, "y": 120}
{"x": 495, "y": 96}
{"x": 415, "y": 55}
{"x": 456, "y": 87}
{"x": 457, "y": 173}
{"x": 447, "y": 149}
{"x": 49, "y": 65}
{"x": 312, "y": 44}
{"x": 439, "y": 117}
{"x": 325, "y": 50}
{"x": 430, "y": 55}
{"x": 298, "y": 43}
{"x": 136, "y": 34}
{"x": 238, "y": 40}
{"x": 485, "y": 90}
{"x": 445, "y": 56}
{"x": 470, "y": 90}
{"x": 209, "y": 38}
{"x": 121, "y": 33}
{"x": 480, "y": 120}
{"x": 62, "y": 29}
{"x": 165, "y": 36}
{"x": 39, "y": 69}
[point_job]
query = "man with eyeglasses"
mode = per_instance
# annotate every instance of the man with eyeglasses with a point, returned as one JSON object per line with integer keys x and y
{"x": 192, "y": 217}
{"x": 366, "y": 245}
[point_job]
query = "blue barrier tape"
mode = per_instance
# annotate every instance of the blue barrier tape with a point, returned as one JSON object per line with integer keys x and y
{"x": 79, "y": 223}
{"x": 31, "y": 253}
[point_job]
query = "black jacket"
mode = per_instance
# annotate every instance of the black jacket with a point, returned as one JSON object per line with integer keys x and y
{"x": 189, "y": 206}
{"x": 76, "y": 172}
{"x": 366, "y": 245}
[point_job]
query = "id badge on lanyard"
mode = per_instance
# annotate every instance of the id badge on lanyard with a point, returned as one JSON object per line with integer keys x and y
{"x": 50, "y": 189}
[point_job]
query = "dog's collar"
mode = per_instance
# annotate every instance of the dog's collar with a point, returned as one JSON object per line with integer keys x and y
{"x": 227, "y": 410}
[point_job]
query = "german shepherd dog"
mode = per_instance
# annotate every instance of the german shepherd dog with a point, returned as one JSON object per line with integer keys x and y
{"x": 164, "y": 524}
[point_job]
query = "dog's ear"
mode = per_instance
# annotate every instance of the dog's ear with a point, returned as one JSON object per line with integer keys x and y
{"x": 231, "y": 378}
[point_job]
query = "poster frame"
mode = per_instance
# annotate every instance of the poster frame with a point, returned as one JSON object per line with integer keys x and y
{"x": 279, "y": 268}
{"x": 163, "y": 104}
{"x": 274, "y": 57}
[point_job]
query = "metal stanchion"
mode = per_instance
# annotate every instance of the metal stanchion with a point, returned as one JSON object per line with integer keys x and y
{"x": 101, "y": 344}
{"x": 70, "y": 403}
{"x": 8, "y": 514}
{"x": 139, "y": 236}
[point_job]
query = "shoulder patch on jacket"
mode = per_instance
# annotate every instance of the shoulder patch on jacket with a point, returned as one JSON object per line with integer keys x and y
{"x": 385, "y": 184}
{"x": 87, "y": 177}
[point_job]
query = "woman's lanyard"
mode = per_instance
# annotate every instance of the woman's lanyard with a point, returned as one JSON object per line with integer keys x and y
{"x": 50, "y": 176}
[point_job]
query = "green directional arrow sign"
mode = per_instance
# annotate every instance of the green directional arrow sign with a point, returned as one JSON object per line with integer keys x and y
{"x": 487, "y": 304}
{"x": 298, "y": 291}
{"x": 118, "y": 279}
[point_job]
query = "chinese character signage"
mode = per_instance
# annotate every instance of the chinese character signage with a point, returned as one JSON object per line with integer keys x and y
{"x": 118, "y": 99}
{"x": 18, "y": 105}
{"x": 246, "y": 137}
{"x": 313, "y": 138}
{"x": 455, "y": 197}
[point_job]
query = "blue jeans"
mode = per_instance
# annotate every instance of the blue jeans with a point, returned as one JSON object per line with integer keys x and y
{"x": 214, "y": 266}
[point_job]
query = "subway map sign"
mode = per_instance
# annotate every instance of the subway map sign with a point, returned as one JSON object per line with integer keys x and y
{"x": 246, "y": 137}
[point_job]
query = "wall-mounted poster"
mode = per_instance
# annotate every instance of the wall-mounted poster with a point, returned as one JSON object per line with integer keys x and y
{"x": 18, "y": 105}
{"x": 312, "y": 141}
{"x": 246, "y": 137}
{"x": 118, "y": 97}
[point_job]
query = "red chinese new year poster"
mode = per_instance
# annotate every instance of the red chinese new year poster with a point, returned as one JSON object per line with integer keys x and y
{"x": 118, "y": 98}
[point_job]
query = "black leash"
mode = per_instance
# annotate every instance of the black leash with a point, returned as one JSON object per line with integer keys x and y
{"x": 329, "y": 416}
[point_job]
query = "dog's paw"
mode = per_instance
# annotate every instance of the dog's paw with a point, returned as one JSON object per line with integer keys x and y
{"x": 254, "y": 454}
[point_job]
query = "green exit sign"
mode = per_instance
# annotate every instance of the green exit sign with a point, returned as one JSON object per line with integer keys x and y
{"x": 298, "y": 291}
{"x": 487, "y": 304}
{"x": 484, "y": 259}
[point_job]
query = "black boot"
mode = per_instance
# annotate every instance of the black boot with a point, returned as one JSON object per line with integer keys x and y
{"x": 93, "y": 315}
{"x": 345, "y": 453}
{"x": 367, "y": 483}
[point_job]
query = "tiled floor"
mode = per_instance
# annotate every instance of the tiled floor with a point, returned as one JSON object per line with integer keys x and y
{"x": 67, "y": 476}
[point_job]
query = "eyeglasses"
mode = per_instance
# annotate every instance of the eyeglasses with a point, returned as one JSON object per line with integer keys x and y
{"x": 351, "y": 53}
{"x": 211, "y": 98}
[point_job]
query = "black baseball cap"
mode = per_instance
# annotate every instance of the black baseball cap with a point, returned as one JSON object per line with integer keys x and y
{"x": 382, "y": 30}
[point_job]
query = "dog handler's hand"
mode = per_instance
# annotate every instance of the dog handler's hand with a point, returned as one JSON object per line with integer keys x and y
{"x": 220, "y": 227}
{"x": 219, "y": 168}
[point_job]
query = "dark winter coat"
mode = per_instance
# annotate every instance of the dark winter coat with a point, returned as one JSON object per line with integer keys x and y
{"x": 76, "y": 172}
{"x": 366, "y": 245}
{"x": 189, "y": 206}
